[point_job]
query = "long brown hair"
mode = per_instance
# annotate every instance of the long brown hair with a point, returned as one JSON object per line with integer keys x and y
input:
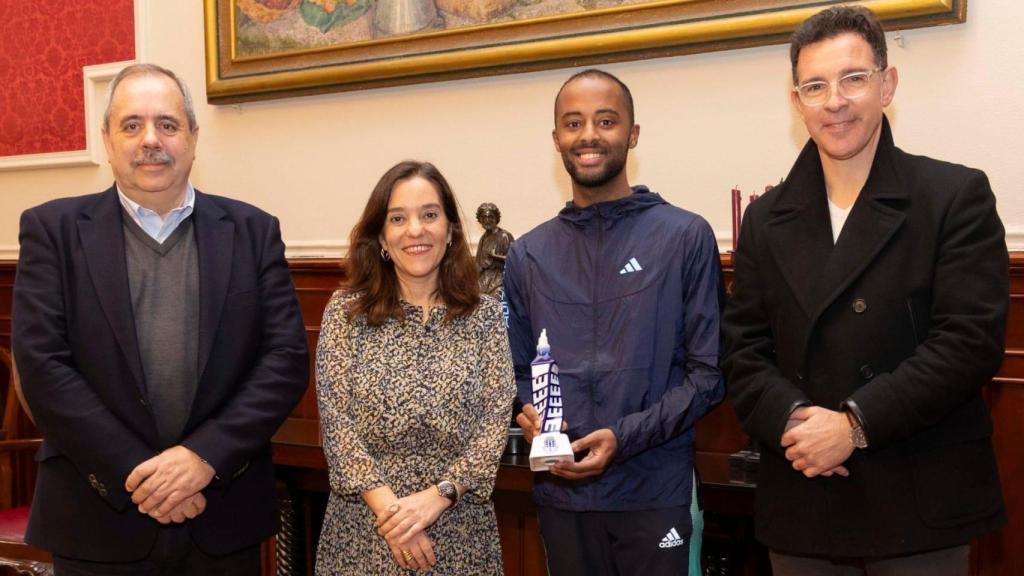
{"x": 374, "y": 279}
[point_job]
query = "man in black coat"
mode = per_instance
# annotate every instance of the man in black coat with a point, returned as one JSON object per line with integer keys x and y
{"x": 868, "y": 310}
{"x": 160, "y": 346}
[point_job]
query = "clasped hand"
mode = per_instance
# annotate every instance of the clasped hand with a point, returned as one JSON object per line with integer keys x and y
{"x": 817, "y": 441}
{"x": 403, "y": 525}
{"x": 602, "y": 445}
{"x": 167, "y": 486}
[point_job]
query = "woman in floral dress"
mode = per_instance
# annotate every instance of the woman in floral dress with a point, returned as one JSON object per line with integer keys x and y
{"x": 415, "y": 387}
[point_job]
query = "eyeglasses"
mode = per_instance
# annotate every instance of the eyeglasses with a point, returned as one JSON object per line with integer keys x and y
{"x": 850, "y": 87}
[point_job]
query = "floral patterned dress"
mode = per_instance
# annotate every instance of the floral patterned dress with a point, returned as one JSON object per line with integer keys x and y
{"x": 407, "y": 404}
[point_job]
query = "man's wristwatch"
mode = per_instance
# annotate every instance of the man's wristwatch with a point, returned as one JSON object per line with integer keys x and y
{"x": 447, "y": 489}
{"x": 857, "y": 436}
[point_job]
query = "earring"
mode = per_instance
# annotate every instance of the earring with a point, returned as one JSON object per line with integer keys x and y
{"x": 384, "y": 254}
{"x": 449, "y": 242}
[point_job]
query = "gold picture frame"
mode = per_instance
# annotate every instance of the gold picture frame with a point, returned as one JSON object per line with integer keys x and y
{"x": 634, "y": 29}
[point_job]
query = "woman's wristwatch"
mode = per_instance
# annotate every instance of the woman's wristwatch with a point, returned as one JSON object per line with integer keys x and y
{"x": 447, "y": 489}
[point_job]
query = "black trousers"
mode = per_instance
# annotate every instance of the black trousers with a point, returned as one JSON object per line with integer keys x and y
{"x": 643, "y": 543}
{"x": 945, "y": 562}
{"x": 173, "y": 554}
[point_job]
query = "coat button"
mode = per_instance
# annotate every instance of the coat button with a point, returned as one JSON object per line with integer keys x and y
{"x": 103, "y": 492}
{"x": 866, "y": 372}
{"x": 859, "y": 305}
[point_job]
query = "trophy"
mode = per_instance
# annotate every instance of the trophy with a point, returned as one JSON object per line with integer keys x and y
{"x": 550, "y": 446}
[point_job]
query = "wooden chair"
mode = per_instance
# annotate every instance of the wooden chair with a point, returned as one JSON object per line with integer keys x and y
{"x": 18, "y": 445}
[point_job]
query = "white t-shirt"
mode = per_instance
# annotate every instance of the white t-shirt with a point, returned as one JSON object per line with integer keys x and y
{"x": 838, "y": 216}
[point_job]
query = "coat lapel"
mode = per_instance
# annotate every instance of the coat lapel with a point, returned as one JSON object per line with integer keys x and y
{"x": 215, "y": 245}
{"x": 798, "y": 231}
{"x": 101, "y": 232}
{"x": 871, "y": 224}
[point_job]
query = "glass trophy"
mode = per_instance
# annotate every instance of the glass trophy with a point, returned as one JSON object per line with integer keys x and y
{"x": 551, "y": 445}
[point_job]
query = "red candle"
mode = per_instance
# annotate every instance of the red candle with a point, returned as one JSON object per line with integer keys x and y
{"x": 737, "y": 199}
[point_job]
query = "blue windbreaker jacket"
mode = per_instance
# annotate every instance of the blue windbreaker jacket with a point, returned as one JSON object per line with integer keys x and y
{"x": 630, "y": 293}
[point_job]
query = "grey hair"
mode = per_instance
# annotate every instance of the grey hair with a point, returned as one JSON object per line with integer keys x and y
{"x": 134, "y": 69}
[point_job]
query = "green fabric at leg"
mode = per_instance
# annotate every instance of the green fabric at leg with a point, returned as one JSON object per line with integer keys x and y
{"x": 697, "y": 536}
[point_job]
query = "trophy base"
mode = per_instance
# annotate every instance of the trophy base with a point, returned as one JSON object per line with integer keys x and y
{"x": 549, "y": 448}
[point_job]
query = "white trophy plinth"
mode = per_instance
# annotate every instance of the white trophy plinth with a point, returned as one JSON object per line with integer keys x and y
{"x": 549, "y": 448}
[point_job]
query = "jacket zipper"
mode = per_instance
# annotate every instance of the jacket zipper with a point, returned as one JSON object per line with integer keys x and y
{"x": 591, "y": 378}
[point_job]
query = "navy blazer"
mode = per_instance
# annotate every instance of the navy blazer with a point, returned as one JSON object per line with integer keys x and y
{"x": 75, "y": 343}
{"x": 906, "y": 316}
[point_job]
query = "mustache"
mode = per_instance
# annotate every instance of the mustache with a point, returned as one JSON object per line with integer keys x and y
{"x": 153, "y": 157}
{"x": 599, "y": 148}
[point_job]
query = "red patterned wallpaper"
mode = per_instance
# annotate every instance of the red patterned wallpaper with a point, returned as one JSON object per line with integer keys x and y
{"x": 43, "y": 46}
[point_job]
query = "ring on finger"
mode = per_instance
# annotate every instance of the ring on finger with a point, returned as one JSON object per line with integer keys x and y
{"x": 407, "y": 555}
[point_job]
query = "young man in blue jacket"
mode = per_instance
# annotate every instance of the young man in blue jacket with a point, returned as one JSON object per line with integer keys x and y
{"x": 629, "y": 290}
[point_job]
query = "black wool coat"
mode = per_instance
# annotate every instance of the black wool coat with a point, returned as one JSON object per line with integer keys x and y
{"x": 905, "y": 315}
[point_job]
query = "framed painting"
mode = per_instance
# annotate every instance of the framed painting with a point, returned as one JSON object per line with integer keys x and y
{"x": 261, "y": 49}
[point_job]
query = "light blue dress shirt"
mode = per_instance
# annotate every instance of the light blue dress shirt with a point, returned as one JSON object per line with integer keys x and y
{"x": 158, "y": 228}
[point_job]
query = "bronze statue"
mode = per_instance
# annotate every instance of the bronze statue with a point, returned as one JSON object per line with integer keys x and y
{"x": 491, "y": 251}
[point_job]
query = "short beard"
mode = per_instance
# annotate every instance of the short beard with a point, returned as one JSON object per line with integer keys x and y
{"x": 611, "y": 171}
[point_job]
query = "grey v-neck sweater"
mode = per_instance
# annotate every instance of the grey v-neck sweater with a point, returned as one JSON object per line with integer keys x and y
{"x": 164, "y": 283}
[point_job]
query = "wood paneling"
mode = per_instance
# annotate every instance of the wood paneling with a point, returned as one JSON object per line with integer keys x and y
{"x": 6, "y": 294}
{"x": 1002, "y": 552}
{"x": 718, "y": 432}
{"x": 315, "y": 281}
{"x": 718, "y": 435}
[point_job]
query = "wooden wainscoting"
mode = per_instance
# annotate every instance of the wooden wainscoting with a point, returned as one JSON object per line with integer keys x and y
{"x": 719, "y": 435}
{"x": 1001, "y": 553}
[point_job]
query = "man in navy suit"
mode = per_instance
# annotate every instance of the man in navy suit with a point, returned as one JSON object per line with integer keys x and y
{"x": 160, "y": 346}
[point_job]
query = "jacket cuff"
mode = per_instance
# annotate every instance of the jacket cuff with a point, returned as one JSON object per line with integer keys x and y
{"x": 801, "y": 403}
{"x": 796, "y": 404}
{"x": 524, "y": 390}
{"x": 768, "y": 421}
{"x": 876, "y": 408}
{"x": 850, "y": 405}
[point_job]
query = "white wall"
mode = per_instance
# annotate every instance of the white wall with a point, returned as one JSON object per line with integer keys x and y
{"x": 708, "y": 122}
